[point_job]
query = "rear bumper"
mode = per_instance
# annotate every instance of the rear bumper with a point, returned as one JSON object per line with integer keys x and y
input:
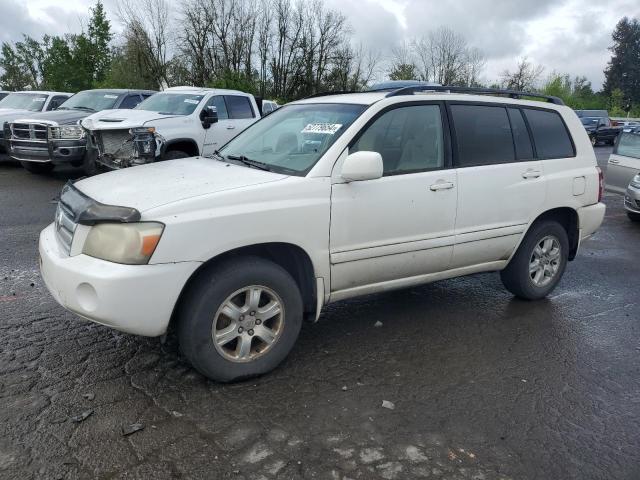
{"x": 137, "y": 299}
{"x": 589, "y": 219}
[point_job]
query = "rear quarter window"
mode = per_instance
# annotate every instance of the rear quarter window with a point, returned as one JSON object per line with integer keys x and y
{"x": 238, "y": 107}
{"x": 550, "y": 135}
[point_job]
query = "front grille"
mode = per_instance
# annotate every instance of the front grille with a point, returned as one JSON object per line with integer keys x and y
{"x": 33, "y": 132}
{"x": 65, "y": 226}
{"x": 115, "y": 143}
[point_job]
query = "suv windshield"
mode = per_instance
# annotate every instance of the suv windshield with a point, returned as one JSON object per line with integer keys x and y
{"x": 24, "y": 101}
{"x": 171, "y": 103}
{"x": 294, "y": 137}
{"x": 91, "y": 101}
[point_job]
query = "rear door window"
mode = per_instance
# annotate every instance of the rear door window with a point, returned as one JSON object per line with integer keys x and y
{"x": 521, "y": 139}
{"x": 550, "y": 134}
{"x": 238, "y": 107}
{"x": 628, "y": 145}
{"x": 482, "y": 134}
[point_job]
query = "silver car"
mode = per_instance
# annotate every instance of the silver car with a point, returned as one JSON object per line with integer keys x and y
{"x": 624, "y": 162}
{"x": 632, "y": 199}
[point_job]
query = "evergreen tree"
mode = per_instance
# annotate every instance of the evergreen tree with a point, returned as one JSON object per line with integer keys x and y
{"x": 99, "y": 36}
{"x": 623, "y": 71}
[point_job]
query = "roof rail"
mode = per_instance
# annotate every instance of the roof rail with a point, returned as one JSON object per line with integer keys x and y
{"x": 325, "y": 94}
{"x": 473, "y": 90}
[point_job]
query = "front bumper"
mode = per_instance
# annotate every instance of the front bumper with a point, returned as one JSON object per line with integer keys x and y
{"x": 57, "y": 152}
{"x": 632, "y": 200}
{"x": 136, "y": 299}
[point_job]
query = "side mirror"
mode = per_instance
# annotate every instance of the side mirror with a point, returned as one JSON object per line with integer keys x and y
{"x": 209, "y": 116}
{"x": 361, "y": 166}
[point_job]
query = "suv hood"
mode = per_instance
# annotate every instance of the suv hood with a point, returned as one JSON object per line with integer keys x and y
{"x": 9, "y": 114}
{"x": 59, "y": 117}
{"x": 155, "y": 184}
{"x": 120, "y": 119}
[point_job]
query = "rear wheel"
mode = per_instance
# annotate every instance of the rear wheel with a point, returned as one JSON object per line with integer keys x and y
{"x": 240, "y": 319}
{"x": 174, "y": 155}
{"x": 37, "y": 167}
{"x": 634, "y": 217}
{"x": 539, "y": 263}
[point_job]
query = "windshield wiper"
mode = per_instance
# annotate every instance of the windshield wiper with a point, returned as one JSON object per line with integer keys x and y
{"x": 87, "y": 109}
{"x": 249, "y": 162}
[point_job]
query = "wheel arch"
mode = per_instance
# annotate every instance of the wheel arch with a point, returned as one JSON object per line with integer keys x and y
{"x": 186, "y": 145}
{"x": 568, "y": 218}
{"x": 294, "y": 259}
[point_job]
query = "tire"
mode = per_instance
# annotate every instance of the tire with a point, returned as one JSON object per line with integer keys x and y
{"x": 174, "y": 155}
{"x": 534, "y": 285}
{"x": 634, "y": 217}
{"x": 594, "y": 140}
{"x": 37, "y": 168}
{"x": 215, "y": 292}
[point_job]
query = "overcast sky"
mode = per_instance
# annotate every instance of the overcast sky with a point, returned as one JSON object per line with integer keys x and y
{"x": 568, "y": 36}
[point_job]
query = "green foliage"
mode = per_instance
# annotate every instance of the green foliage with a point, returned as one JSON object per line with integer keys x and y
{"x": 623, "y": 71}
{"x": 404, "y": 71}
{"x": 69, "y": 63}
{"x": 576, "y": 93}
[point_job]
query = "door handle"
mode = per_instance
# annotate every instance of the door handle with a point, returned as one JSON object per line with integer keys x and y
{"x": 441, "y": 186}
{"x": 614, "y": 162}
{"x": 531, "y": 174}
{"x": 230, "y": 127}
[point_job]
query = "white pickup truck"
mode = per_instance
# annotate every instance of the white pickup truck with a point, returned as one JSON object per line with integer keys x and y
{"x": 179, "y": 122}
{"x": 325, "y": 199}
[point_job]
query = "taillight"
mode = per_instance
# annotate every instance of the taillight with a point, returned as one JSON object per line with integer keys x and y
{"x": 600, "y": 184}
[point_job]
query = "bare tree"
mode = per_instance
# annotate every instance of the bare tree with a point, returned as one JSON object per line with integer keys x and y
{"x": 524, "y": 77}
{"x": 147, "y": 25}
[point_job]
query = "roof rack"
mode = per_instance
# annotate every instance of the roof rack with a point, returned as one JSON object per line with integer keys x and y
{"x": 473, "y": 90}
{"x": 325, "y": 94}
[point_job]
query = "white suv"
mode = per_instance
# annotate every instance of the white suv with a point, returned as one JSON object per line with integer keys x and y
{"x": 325, "y": 199}
{"x": 179, "y": 122}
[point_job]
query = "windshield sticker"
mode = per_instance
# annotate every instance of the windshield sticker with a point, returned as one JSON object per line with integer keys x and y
{"x": 38, "y": 100}
{"x": 110, "y": 96}
{"x": 190, "y": 100}
{"x": 323, "y": 128}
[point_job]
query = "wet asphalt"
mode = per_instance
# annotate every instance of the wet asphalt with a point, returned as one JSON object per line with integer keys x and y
{"x": 484, "y": 386}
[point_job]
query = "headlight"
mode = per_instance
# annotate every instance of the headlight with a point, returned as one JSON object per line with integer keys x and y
{"x": 68, "y": 132}
{"x": 635, "y": 182}
{"x": 128, "y": 243}
{"x": 136, "y": 130}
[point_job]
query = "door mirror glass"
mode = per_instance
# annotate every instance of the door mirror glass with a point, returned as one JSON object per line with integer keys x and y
{"x": 209, "y": 116}
{"x": 361, "y": 166}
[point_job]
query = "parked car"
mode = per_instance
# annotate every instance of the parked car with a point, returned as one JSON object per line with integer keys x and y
{"x": 177, "y": 123}
{"x": 325, "y": 199}
{"x": 600, "y": 130}
{"x": 632, "y": 199}
{"x": 41, "y": 141}
{"x": 624, "y": 162}
{"x": 592, "y": 113}
{"x": 629, "y": 126}
{"x": 269, "y": 106}
{"x": 18, "y": 104}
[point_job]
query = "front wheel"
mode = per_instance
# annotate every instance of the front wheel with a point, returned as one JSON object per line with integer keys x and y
{"x": 174, "y": 155}
{"x": 240, "y": 319}
{"x": 594, "y": 140}
{"x": 634, "y": 217}
{"x": 37, "y": 167}
{"x": 539, "y": 263}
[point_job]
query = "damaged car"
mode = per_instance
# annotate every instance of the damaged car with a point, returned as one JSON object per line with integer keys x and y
{"x": 43, "y": 140}
{"x": 179, "y": 122}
